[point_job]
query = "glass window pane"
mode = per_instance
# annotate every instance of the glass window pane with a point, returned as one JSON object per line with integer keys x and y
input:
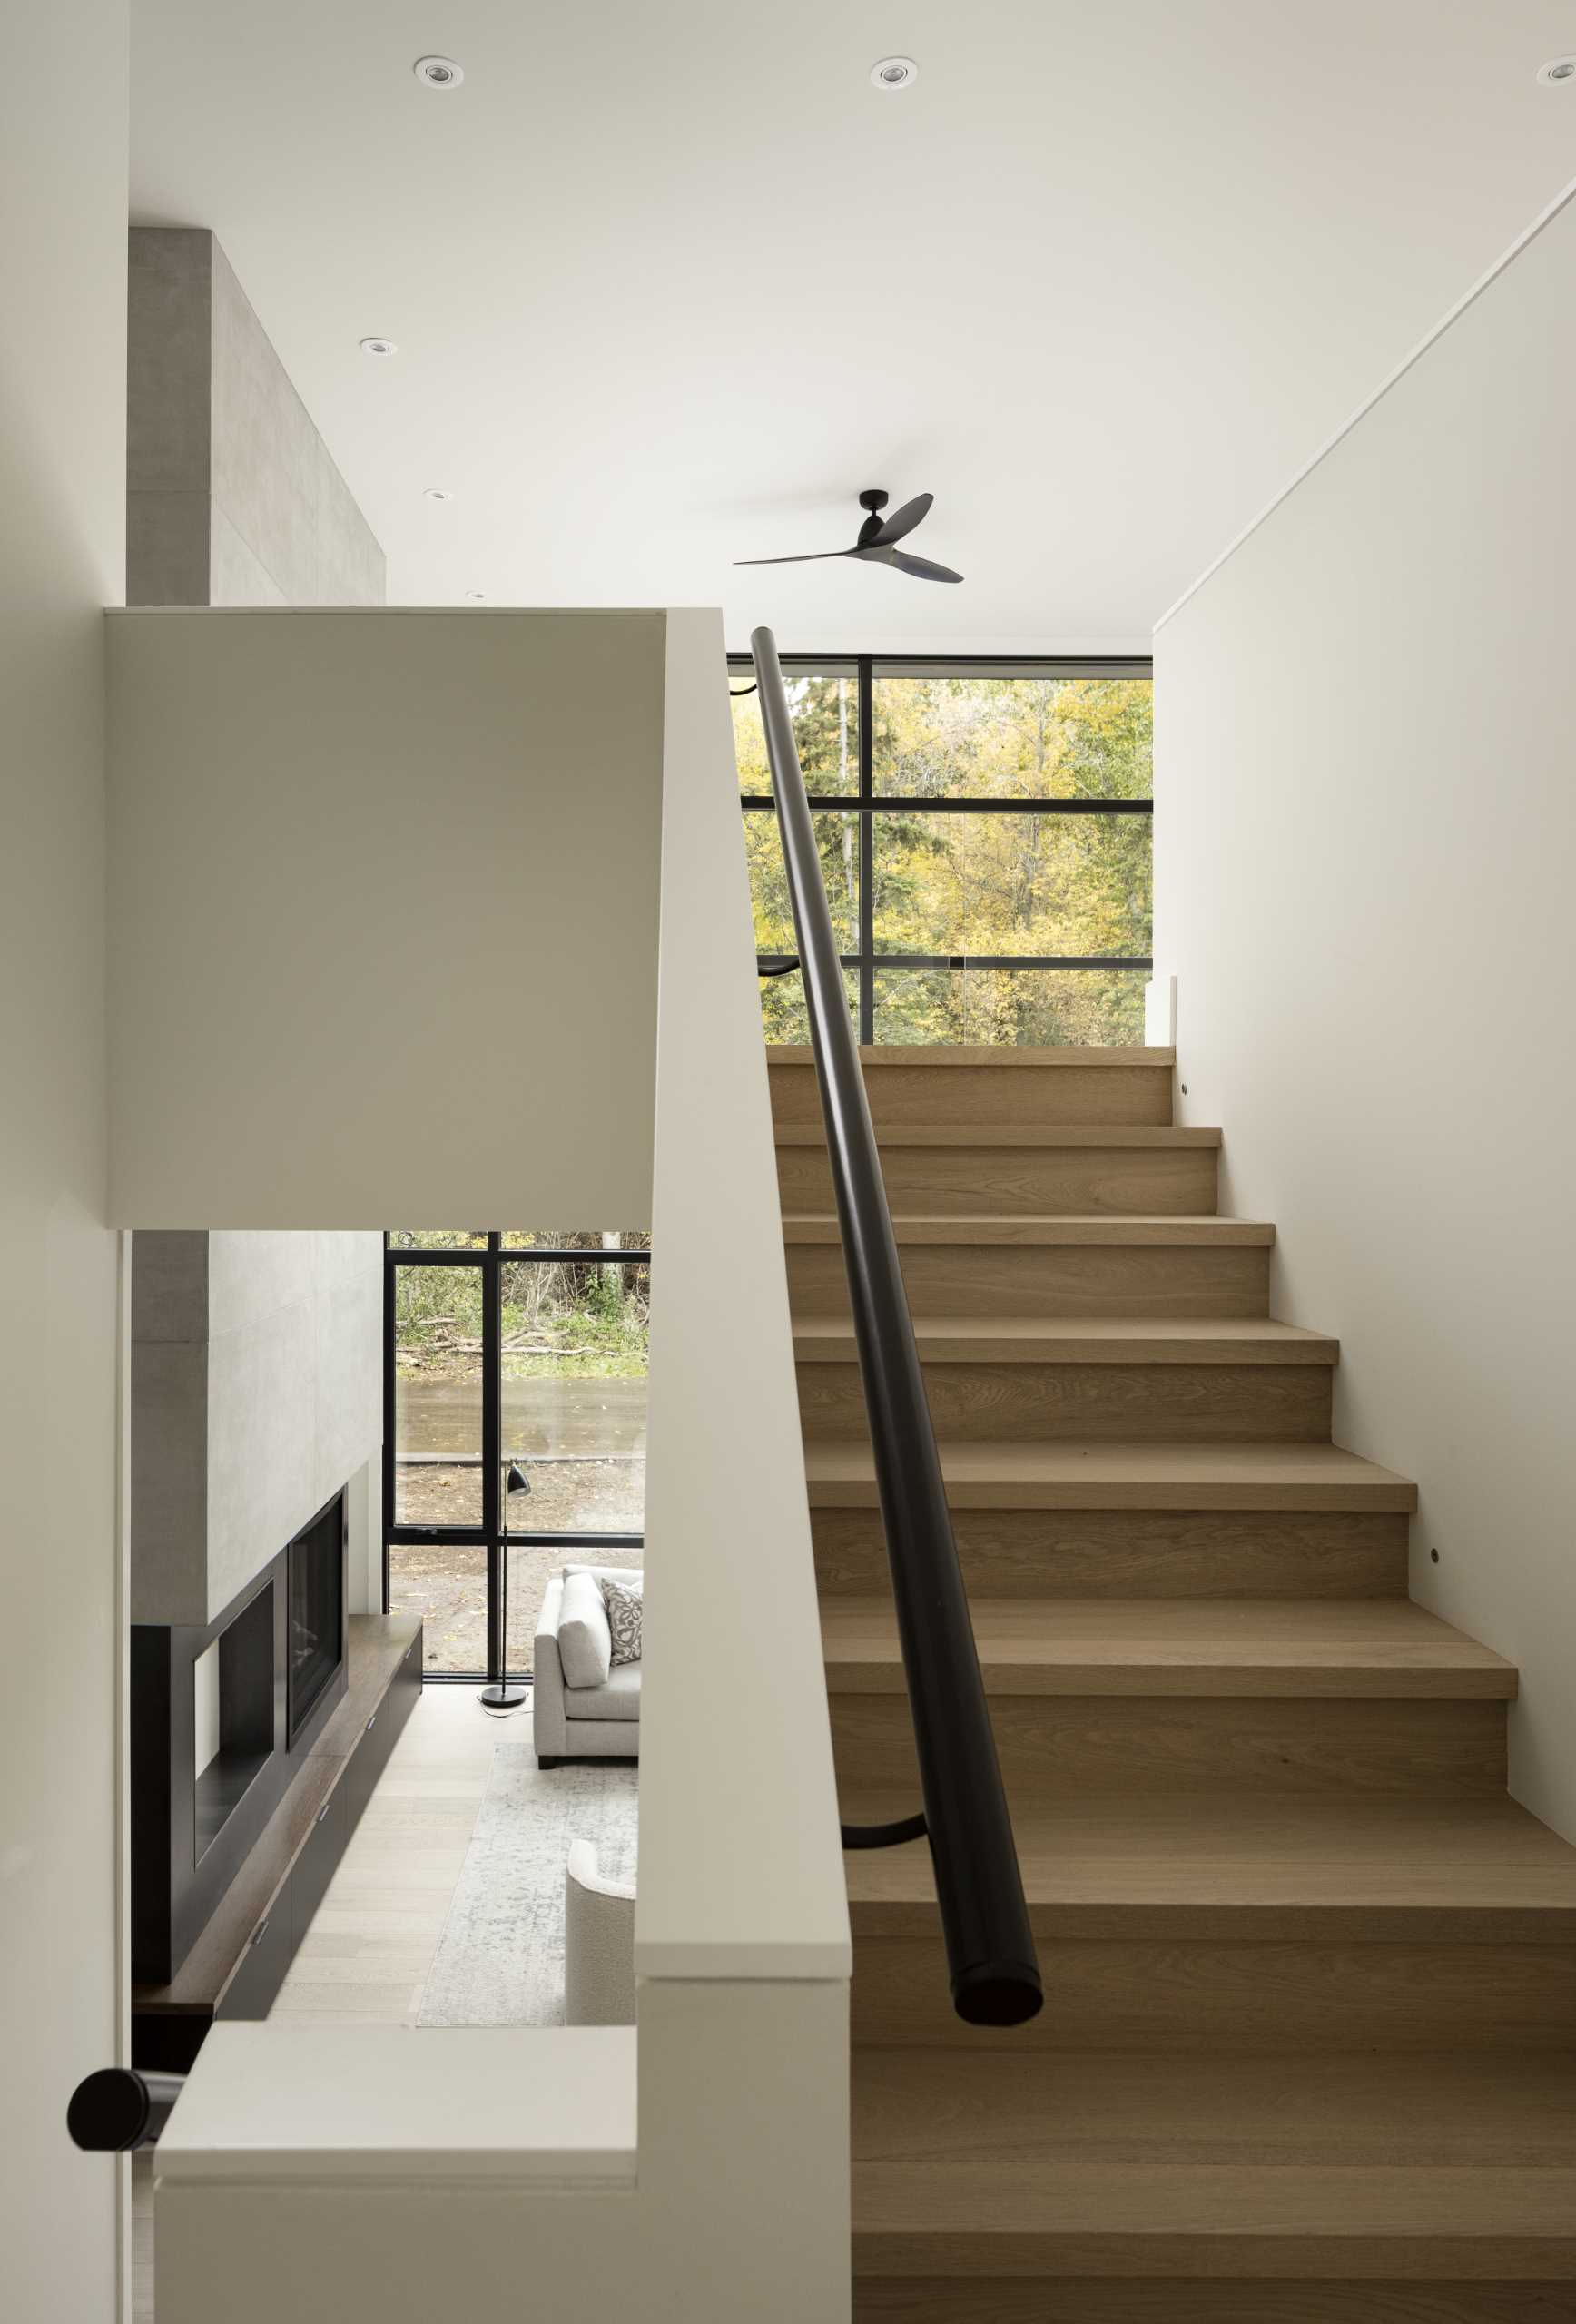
{"x": 532, "y": 1565}
{"x": 1060, "y": 884}
{"x": 576, "y": 1238}
{"x": 837, "y": 839}
{"x": 574, "y": 1365}
{"x": 437, "y": 1238}
{"x": 825, "y": 711}
{"x": 1001, "y": 737}
{"x": 437, "y": 1395}
{"x": 783, "y": 1010}
{"x": 1012, "y": 1007}
{"x": 446, "y": 1586}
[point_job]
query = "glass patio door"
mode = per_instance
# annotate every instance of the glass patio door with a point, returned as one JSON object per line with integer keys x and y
{"x": 509, "y": 1353}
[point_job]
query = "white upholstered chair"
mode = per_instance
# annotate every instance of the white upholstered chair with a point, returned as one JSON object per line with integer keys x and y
{"x": 598, "y": 1943}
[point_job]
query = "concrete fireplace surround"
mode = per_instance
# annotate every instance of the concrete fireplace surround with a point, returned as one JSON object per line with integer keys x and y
{"x": 256, "y": 1393}
{"x": 232, "y": 497}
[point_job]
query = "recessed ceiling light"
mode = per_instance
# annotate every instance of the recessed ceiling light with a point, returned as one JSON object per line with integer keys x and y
{"x": 439, "y": 71}
{"x": 475, "y": 597}
{"x": 894, "y": 73}
{"x": 436, "y": 492}
{"x": 379, "y": 347}
{"x": 1558, "y": 69}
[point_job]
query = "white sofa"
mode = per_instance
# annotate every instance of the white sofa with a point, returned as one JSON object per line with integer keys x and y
{"x": 597, "y": 1721}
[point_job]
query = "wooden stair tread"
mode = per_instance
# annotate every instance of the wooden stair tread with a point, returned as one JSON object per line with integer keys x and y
{"x": 1155, "y": 1134}
{"x": 1180, "y": 1646}
{"x": 1080, "y": 1339}
{"x": 1109, "y": 2164}
{"x": 940, "y": 1056}
{"x": 1071, "y": 1474}
{"x": 1225, "y": 1866}
{"x": 1077, "y": 1227}
{"x": 1306, "y": 1845}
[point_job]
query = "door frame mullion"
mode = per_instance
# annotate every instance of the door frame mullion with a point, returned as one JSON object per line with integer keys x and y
{"x": 491, "y": 1449}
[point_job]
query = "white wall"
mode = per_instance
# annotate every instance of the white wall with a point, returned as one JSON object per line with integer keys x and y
{"x": 62, "y": 274}
{"x": 1365, "y": 844}
{"x": 364, "y": 1526}
{"x": 383, "y": 917}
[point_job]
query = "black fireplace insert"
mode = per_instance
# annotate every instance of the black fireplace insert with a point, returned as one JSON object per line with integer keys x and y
{"x": 316, "y": 1631}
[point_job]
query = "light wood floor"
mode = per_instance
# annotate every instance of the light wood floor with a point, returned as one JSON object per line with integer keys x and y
{"x": 368, "y": 1954}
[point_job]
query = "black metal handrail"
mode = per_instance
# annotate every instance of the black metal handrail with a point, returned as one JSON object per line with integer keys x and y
{"x": 991, "y": 1955}
{"x": 117, "y": 2110}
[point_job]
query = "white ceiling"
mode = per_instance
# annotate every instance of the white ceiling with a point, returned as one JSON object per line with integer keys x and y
{"x": 670, "y": 280}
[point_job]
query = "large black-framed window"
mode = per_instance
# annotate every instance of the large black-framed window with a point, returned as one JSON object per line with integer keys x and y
{"x": 462, "y": 1305}
{"x": 1059, "y": 802}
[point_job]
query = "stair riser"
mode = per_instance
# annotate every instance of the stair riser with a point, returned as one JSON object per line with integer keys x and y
{"x": 1182, "y": 2300}
{"x": 1246, "y": 1998}
{"x": 1166, "y": 1403}
{"x": 1071, "y": 1747}
{"x": 1020, "y": 1181}
{"x": 1023, "y": 1096}
{"x": 1135, "y": 1553}
{"x": 948, "y": 1279}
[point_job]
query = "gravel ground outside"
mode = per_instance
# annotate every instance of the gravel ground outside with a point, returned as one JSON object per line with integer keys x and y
{"x": 581, "y": 1440}
{"x": 447, "y": 1584}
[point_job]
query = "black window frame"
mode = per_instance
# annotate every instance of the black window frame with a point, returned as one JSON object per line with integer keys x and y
{"x": 489, "y": 1258}
{"x": 866, "y": 802}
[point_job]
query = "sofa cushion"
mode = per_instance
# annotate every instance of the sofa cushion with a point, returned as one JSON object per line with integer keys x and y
{"x": 584, "y": 1637}
{"x": 624, "y": 1601}
{"x": 619, "y": 1696}
{"x": 632, "y": 1576}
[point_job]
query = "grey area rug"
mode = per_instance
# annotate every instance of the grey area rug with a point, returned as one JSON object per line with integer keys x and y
{"x": 501, "y": 1959}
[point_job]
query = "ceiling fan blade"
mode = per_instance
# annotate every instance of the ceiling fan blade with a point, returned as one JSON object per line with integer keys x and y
{"x": 813, "y": 556}
{"x": 922, "y": 569}
{"x": 903, "y": 520}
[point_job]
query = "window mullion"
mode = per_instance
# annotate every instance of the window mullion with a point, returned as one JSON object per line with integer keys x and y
{"x": 491, "y": 1441}
{"x": 866, "y": 851}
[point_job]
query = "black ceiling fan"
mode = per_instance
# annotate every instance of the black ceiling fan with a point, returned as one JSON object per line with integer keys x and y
{"x": 877, "y": 542}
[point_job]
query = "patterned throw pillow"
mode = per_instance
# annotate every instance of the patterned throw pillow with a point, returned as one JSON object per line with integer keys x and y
{"x": 626, "y": 1607}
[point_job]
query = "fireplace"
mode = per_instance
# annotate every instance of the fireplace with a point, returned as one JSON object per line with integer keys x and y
{"x": 316, "y": 1631}
{"x": 223, "y": 1716}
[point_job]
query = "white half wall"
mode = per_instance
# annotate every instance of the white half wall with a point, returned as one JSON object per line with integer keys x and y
{"x": 63, "y": 289}
{"x": 697, "y": 2165}
{"x": 383, "y": 917}
{"x": 1364, "y": 846}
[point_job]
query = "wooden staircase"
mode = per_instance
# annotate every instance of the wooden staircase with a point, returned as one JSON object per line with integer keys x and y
{"x": 1308, "y": 2051}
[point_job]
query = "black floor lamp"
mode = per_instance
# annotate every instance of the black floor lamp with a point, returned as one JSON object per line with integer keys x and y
{"x": 500, "y": 1693}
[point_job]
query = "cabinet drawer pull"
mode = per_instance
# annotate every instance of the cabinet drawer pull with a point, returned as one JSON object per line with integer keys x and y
{"x": 371, "y": 1723}
{"x": 321, "y": 1815}
{"x": 259, "y": 1933}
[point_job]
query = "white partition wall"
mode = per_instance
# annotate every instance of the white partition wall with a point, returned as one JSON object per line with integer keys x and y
{"x": 742, "y": 1947}
{"x": 63, "y": 483}
{"x": 383, "y": 915}
{"x": 1364, "y": 846}
{"x": 694, "y": 2169}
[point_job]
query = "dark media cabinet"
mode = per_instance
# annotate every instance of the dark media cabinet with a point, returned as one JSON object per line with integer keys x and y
{"x": 237, "y": 1962}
